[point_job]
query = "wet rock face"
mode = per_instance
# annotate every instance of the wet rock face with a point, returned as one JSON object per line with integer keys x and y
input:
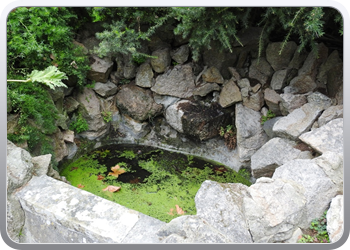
{"x": 197, "y": 120}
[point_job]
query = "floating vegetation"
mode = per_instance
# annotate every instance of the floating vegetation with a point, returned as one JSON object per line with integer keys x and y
{"x": 158, "y": 183}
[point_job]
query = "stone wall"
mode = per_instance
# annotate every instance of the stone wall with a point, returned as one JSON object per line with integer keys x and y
{"x": 296, "y": 158}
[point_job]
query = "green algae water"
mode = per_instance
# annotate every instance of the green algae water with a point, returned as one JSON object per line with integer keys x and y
{"x": 152, "y": 181}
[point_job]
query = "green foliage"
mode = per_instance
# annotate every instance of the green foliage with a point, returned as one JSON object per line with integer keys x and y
{"x": 51, "y": 77}
{"x": 268, "y": 116}
{"x": 203, "y": 25}
{"x": 107, "y": 116}
{"x": 172, "y": 181}
{"x": 38, "y": 37}
{"x": 244, "y": 173}
{"x": 319, "y": 227}
{"x": 79, "y": 125}
{"x": 228, "y": 129}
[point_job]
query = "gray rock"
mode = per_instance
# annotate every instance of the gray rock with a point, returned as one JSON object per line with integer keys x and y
{"x": 15, "y": 218}
{"x": 295, "y": 237}
{"x": 70, "y": 104}
{"x": 271, "y": 155}
{"x": 301, "y": 85}
{"x": 19, "y": 167}
{"x": 190, "y": 229}
{"x": 320, "y": 100}
{"x": 91, "y": 111}
{"x": 244, "y": 83}
{"x": 205, "y": 89}
{"x": 229, "y": 94}
{"x": 181, "y": 54}
{"x": 100, "y": 70}
{"x": 279, "y": 61}
{"x": 335, "y": 81}
{"x": 333, "y": 59}
{"x": 234, "y": 73}
{"x": 335, "y": 219}
{"x": 272, "y": 100}
{"x": 297, "y": 122}
{"x": 332, "y": 165}
{"x": 166, "y": 101}
{"x": 282, "y": 78}
{"x": 254, "y": 101}
{"x": 57, "y": 212}
{"x": 12, "y": 123}
{"x": 260, "y": 70}
{"x": 298, "y": 59}
{"x": 197, "y": 120}
{"x": 220, "y": 204}
{"x": 162, "y": 60}
{"x": 72, "y": 149}
{"x": 268, "y": 126}
{"x": 59, "y": 145}
{"x": 137, "y": 102}
{"x": 290, "y": 102}
{"x": 105, "y": 89}
{"x": 144, "y": 76}
{"x": 41, "y": 164}
{"x": 330, "y": 113}
{"x": 329, "y": 137}
{"x": 212, "y": 74}
{"x": 131, "y": 129}
{"x": 313, "y": 61}
{"x": 177, "y": 82}
{"x": 250, "y": 135}
{"x": 319, "y": 189}
{"x": 274, "y": 209}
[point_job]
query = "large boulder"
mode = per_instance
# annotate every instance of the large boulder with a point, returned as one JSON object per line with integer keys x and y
{"x": 297, "y": 122}
{"x": 301, "y": 85}
{"x": 290, "y": 102}
{"x": 190, "y": 229}
{"x": 197, "y": 120}
{"x": 137, "y": 102}
{"x": 332, "y": 165}
{"x": 282, "y": 78}
{"x": 250, "y": 134}
{"x": 332, "y": 60}
{"x": 319, "y": 188}
{"x": 177, "y": 82}
{"x": 221, "y": 205}
{"x": 180, "y": 55}
{"x": 91, "y": 111}
{"x": 329, "y": 114}
{"x": 326, "y": 138}
{"x": 274, "y": 208}
{"x": 271, "y": 155}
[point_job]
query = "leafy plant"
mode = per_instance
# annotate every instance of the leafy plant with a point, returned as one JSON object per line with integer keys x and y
{"x": 38, "y": 37}
{"x": 51, "y": 77}
{"x": 319, "y": 229}
{"x": 229, "y": 135}
{"x": 79, "y": 125}
{"x": 268, "y": 116}
{"x": 107, "y": 116}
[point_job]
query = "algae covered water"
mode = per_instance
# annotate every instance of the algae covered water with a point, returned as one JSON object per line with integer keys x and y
{"x": 159, "y": 183}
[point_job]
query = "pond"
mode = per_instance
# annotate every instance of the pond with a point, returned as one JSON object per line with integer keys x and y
{"x": 159, "y": 183}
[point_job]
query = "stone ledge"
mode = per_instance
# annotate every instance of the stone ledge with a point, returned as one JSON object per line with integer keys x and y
{"x": 79, "y": 216}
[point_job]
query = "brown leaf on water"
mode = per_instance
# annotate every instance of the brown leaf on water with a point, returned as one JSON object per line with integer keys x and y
{"x": 111, "y": 189}
{"x": 80, "y": 186}
{"x": 171, "y": 212}
{"x": 100, "y": 177}
{"x": 179, "y": 210}
{"x": 116, "y": 171}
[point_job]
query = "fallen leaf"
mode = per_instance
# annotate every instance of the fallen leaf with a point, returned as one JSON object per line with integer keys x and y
{"x": 100, "y": 177}
{"x": 116, "y": 171}
{"x": 171, "y": 212}
{"x": 80, "y": 186}
{"x": 111, "y": 189}
{"x": 179, "y": 210}
{"x": 73, "y": 168}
